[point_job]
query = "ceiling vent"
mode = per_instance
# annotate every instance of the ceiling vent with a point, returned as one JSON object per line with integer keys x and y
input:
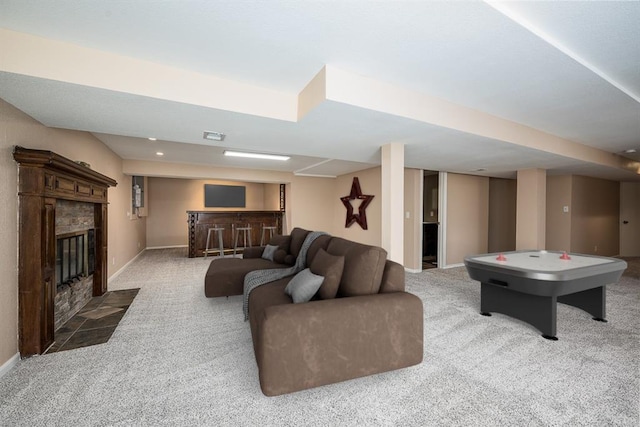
{"x": 214, "y": 136}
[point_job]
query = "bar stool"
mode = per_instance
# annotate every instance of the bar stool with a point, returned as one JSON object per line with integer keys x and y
{"x": 271, "y": 229}
{"x": 246, "y": 234}
{"x": 218, "y": 231}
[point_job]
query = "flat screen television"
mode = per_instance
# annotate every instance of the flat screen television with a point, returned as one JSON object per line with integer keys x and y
{"x": 224, "y": 196}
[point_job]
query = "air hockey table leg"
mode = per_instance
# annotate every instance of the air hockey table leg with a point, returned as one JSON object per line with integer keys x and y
{"x": 593, "y": 301}
{"x": 538, "y": 311}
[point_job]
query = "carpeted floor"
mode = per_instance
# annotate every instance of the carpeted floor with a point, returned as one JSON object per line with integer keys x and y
{"x": 178, "y": 358}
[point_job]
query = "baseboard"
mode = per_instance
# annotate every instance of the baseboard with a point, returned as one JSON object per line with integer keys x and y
{"x": 453, "y": 265}
{"x": 412, "y": 270}
{"x": 117, "y": 273}
{"x": 9, "y": 364}
{"x": 167, "y": 247}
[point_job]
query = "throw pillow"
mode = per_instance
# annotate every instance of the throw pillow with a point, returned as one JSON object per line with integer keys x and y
{"x": 282, "y": 242}
{"x": 269, "y": 251}
{"x": 298, "y": 235}
{"x": 303, "y": 286}
{"x": 279, "y": 256}
{"x": 330, "y": 267}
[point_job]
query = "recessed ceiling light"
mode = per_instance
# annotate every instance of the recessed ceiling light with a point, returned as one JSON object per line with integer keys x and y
{"x": 152, "y": 139}
{"x": 213, "y": 136}
{"x": 159, "y": 153}
{"x": 256, "y": 155}
{"x": 630, "y": 150}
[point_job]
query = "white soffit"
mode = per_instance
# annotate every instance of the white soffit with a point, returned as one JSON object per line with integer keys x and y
{"x": 179, "y": 68}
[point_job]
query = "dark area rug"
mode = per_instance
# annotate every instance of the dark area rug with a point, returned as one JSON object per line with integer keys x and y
{"x": 95, "y": 323}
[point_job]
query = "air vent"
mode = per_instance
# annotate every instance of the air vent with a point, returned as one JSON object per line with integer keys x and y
{"x": 214, "y": 136}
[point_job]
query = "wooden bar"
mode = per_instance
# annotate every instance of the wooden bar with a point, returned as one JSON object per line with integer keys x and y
{"x": 199, "y": 223}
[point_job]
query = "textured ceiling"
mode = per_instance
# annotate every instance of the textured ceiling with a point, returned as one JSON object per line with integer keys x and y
{"x": 570, "y": 71}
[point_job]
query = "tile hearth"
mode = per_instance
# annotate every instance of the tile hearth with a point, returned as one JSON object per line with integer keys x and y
{"x": 95, "y": 322}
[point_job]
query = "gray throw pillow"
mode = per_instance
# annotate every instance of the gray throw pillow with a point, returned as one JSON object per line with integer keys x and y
{"x": 268, "y": 252}
{"x": 303, "y": 286}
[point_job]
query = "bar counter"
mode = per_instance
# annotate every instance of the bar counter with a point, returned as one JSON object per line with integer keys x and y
{"x": 199, "y": 223}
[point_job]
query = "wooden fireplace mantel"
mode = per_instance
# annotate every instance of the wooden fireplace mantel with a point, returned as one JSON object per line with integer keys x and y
{"x": 43, "y": 178}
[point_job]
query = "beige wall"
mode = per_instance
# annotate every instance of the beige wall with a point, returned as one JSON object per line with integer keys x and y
{"x": 271, "y": 197}
{"x": 10, "y": 122}
{"x": 171, "y": 198}
{"x": 413, "y": 182}
{"x": 311, "y": 203}
{"x": 531, "y": 209}
{"x": 502, "y": 215}
{"x": 467, "y": 216}
{"x": 17, "y": 128}
{"x": 595, "y": 216}
{"x": 592, "y": 225}
{"x": 630, "y": 212}
{"x": 558, "y": 233}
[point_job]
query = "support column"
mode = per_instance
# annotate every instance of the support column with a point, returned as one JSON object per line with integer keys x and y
{"x": 393, "y": 201}
{"x": 531, "y": 209}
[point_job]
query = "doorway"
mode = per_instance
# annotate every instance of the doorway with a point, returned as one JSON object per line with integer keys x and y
{"x": 430, "y": 219}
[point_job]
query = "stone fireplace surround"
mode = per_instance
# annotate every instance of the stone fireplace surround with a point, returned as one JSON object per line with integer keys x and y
{"x": 46, "y": 180}
{"x": 72, "y": 217}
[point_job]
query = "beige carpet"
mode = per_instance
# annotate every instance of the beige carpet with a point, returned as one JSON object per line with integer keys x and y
{"x": 178, "y": 358}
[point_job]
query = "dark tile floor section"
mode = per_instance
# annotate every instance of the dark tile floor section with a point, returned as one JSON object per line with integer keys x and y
{"x": 95, "y": 323}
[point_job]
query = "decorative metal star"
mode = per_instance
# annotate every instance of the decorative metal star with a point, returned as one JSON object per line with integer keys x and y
{"x": 356, "y": 194}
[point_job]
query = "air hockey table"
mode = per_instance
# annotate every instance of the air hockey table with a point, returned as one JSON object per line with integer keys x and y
{"x": 527, "y": 285}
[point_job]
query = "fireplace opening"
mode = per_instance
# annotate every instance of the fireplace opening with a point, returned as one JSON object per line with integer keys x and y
{"x": 75, "y": 256}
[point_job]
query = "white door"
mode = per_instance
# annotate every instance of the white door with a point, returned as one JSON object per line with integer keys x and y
{"x": 630, "y": 219}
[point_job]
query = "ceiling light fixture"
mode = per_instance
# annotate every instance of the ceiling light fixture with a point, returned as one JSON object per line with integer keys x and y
{"x": 256, "y": 155}
{"x": 630, "y": 151}
{"x": 152, "y": 139}
{"x": 159, "y": 153}
{"x": 213, "y": 136}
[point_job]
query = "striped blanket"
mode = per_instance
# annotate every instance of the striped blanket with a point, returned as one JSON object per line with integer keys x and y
{"x": 260, "y": 277}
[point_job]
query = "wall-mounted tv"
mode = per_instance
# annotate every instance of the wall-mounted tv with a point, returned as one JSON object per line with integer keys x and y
{"x": 224, "y": 196}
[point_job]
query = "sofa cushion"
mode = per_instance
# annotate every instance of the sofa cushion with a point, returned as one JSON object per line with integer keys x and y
{"x": 392, "y": 278}
{"x": 320, "y": 242}
{"x": 282, "y": 242}
{"x": 280, "y": 256}
{"x": 330, "y": 267}
{"x": 303, "y": 286}
{"x": 225, "y": 276}
{"x": 269, "y": 251}
{"x": 252, "y": 252}
{"x": 363, "y": 266}
{"x": 297, "y": 239}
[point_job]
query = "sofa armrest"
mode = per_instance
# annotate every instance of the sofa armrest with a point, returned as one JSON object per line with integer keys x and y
{"x": 253, "y": 252}
{"x": 322, "y": 342}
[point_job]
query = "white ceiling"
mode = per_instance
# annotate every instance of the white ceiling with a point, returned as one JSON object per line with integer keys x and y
{"x": 569, "y": 69}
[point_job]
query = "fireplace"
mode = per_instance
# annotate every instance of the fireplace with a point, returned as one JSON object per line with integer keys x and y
{"x": 75, "y": 256}
{"x": 46, "y": 183}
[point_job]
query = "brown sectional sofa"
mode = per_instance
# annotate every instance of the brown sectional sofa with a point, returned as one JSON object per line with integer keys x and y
{"x": 367, "y": 324}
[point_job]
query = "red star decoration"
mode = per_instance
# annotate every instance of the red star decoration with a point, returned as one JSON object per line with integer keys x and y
{"x": 361, "y": 216}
